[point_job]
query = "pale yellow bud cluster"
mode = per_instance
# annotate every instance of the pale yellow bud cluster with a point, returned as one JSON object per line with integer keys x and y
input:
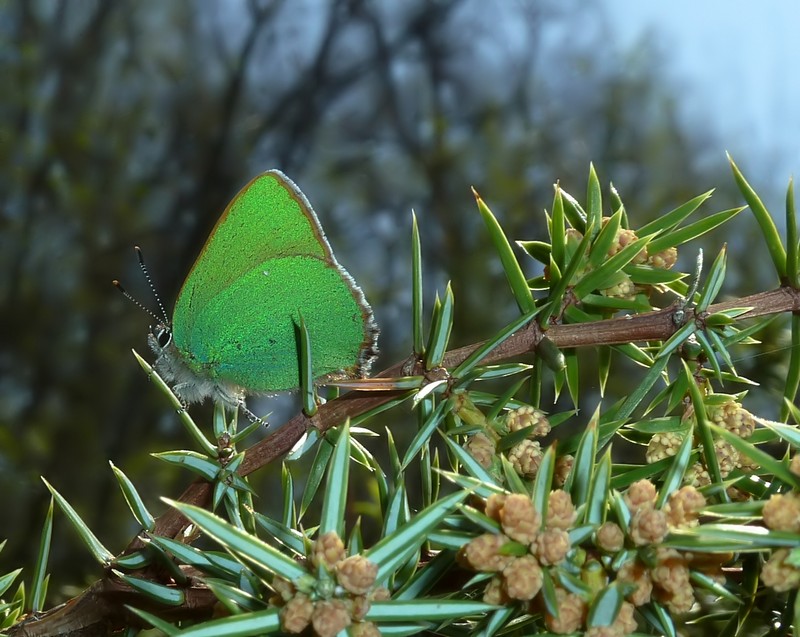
{"x": 666, "y": 579}
{"x": 328, "y": 550}
{"x": 672, "y": 585}
{"x": 571, "y": 613}
{"x": 328, "y": 616}
{"x": 482, "y": 448}
{"x": 625, "y": 237}
{"x": 648, "y": 526}
{"x": 561, "y": 512}
{"x": 622, "y": 289}
{"x": 522, "y": 579}
{"x": 779, "y": 574}
{"x": 621, "y": 286}
{"x": 484, "y": 553}
{"x": 525, "y": 546}
{"x": 683, "y": 507}
{"x": 519, "y": 519}
{"x": 528, "y": 543}
{"x": 665, "y": 259}
{"x": 552, "y": 546}
{"x": 641, "y": 494}
{"x": 727, "y": 456}
{"x": 697, "y": 476}
{"x": 296, "y": 614}
{"x": 356, "y": 574}
{"x": 663, "y": 445}
{"x": 563, "y": 468}
{"x": 637, "y": 574}
{"x": 526, "y": 457}
{"x": 527, "y": 416}
{"x": 782, "y": 512}
{"x": 733, "y": 417}
{"x": 609, "y": 537}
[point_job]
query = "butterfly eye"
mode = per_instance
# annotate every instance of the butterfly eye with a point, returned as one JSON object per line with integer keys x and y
{"x": 163, "y": 335}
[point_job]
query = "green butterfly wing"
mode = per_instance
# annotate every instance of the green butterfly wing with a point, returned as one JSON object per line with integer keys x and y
{"x": 266, "y": 261}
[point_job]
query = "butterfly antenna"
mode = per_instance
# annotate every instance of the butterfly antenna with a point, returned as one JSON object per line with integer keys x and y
{"x": 159, "y": 319}
{"x": 149, "y": 280}
{"x": 136, "y": 302}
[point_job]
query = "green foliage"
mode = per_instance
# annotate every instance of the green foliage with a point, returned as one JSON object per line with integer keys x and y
{"x": 495, "y": 515}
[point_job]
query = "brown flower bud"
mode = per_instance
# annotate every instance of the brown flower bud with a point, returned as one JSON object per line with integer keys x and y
{"x": 648, "y": 526}
{"x": 552, "y": 546}
{"x": 641, "y": 494}
{"x": 520, "y": 521}
{"x": 562, "y": 470}
{"x": 526, "y": 416}
{"x": 561, "y": 512}
{"x": 481, "y": 447}
{"x": 778, "y": 574}
{"x": 494, "y": 504}
{"x": 683, "y": 507}
{"x": 483, "y": 552}
{"x": 525, "y": 457}
{"x": 732, "y": 416}
{"x": 634, "y": 572}
{"x": 522, "y": 578}
{"x": 782, "y": 512}
{"x": 672, "y": 585}
{"x": 663, "y": 445}
{"x": 664, "y": 259}
{"x": 625, "y": 621}
{"x": 284, "y": 588}
{"x": 328, "y": 549}
{"x": 794, "y": 465}
{"x": 727, "y": 456}
{"x": 609, "y": 537}
{"x": 360, "y": 607}
{"x": 296, "y": 614}
{"x": 697, "y": 476}
{"x": 330, "y": 617}
{"x": 571, "y": 613}
{"x": 625, "y": 237}
{"x": 494, "y": 593}
{"x": 356, "y": 574}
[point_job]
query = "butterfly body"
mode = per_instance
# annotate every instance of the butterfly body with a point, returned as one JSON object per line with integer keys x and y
{"x": 235, "y": 325}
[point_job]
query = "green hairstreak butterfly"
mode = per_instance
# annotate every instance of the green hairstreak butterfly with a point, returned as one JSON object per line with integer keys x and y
{"x": 234, "y": 330}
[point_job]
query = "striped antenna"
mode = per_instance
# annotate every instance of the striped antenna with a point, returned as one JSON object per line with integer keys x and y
{"x": 164, "y": 319}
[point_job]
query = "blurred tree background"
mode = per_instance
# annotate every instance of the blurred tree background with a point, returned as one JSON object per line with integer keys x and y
{"x": 135, "y": 122}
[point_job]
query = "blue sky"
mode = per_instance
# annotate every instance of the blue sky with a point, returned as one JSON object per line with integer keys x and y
{"x": 738, "y": 65}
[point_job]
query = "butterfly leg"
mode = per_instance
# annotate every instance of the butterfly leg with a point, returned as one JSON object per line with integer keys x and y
{"x": 250, "y": 415}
